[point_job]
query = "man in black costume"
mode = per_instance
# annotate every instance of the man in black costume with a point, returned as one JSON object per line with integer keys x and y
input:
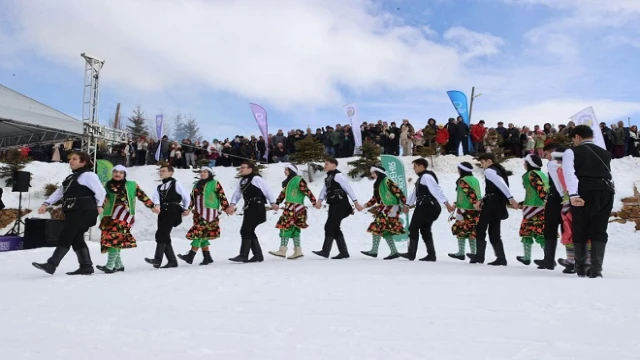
{"x": 552, "y": 212}
{"x": 171, "y": 202}
{"x": 587, "y": 172}
{"x": 82, "y": 196}
{"x": 427, "y": 197}
{"x": 335, "y": 191}
{"x": 255, "y": 193}
{"x": 493, "y": 209}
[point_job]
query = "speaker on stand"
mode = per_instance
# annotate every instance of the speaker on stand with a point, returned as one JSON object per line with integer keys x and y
{"x": 21, "y": 183}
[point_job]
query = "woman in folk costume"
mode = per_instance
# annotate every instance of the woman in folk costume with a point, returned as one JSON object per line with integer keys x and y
{"x": 390, "y": 200}
{"x": 294, "y": 217}
{"x": 469, "y": 194}
{"x": 207, "y": 197}
{"x": 567, "y": 240}
{"x": 536, "y": 185}
{"x": 118, "y": 217}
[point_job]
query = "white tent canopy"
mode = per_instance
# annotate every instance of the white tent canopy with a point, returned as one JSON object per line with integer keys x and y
{"x": 27, "y": 121}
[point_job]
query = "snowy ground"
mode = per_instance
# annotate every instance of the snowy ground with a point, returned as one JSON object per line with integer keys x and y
{"x": 313, "y": 308}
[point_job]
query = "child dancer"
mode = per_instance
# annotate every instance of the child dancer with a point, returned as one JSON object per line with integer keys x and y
{"x": 118, "y": 218}
{"x": 466, "y": 215}
{"x": 536, "y": 185}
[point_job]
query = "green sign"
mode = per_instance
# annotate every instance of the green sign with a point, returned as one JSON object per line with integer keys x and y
{"x": 395, "y": 171}
{"x": 103, "y": 170}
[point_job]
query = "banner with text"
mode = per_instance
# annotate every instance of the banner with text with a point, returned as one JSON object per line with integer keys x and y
{"x": 352, "y": 114}
{"x": 588, "y": 117}
{"x": 260, "y": 114}
{"x": 103, "y": 170}
{"x": 159, "y": 135}
{"x": 395, "y": 171}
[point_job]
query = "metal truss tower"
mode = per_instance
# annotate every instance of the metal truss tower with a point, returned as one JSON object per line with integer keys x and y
{"x": 90, "y": 102}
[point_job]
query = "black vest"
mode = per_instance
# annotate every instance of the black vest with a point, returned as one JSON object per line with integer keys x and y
{"x": 591, "y": 164}
{"x": 72, "y": 189}
{"x": 335, "y": 192}
{"x": 251, "y": 193}
{"x": 169, "y": 195}
{"x": 553, "y": 193}
{"x": 491, "y": 188}
{"x": 423, "y": 190}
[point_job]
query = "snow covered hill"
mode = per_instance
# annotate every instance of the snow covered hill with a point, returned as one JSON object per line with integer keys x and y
{"x": 312, "y": 308}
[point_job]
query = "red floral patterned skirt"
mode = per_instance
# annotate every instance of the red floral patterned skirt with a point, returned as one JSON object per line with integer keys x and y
{"x": 294, "y": 215}
{"x": 465, "y": 225}
{"x": 386, "y": 221}
{"x": 203, "y": 229}
{"x": 115, "y": 234}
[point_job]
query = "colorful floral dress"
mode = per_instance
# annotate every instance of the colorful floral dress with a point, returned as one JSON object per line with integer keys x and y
{"x": 469, "y": 194}
{"x": 536, "y": 186}
{"x": 294, "y": 216}
{"x": 389, "y": 199}
{"x": 207, "y": 197}
{"x": 119, "y": 214}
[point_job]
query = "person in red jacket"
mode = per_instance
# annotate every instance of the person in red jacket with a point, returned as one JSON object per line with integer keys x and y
{"x": 442, "y": 138}
{"x": 478, "y": 132}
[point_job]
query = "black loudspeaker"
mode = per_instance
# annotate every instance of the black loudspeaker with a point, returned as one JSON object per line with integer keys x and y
{"x": 41, "y": 232}
{"x": 21, "y": 181}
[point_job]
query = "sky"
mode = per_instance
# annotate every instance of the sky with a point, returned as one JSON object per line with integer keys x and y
{"x": 532, "y": 61}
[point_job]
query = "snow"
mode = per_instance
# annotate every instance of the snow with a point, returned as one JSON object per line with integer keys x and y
{"x": 313, "y": 308}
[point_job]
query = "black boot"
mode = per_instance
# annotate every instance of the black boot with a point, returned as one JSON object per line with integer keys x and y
{"x": 326, "y": 248}
{"x": 597, "y": 257}
{"x": 342, "y": 247}
{"x": 501, "y": 259}
{"x": 84, "y": 259}
{"x": 431, "y": 251}
{"x": 50, "y": 266}
{"x": 172, "y": 262}
{"x": 478, "y": 257}
{"x": 206, "y": 258}
{"x": 245, "y": 245}
{"x": 256, "y": 249}
{"x": 412, "y": 249}
{"x": 156, "y": 261}
{"x": 548, "y": 264}
{"x": 188, "y": 258}
{"x": 580, "y": 255}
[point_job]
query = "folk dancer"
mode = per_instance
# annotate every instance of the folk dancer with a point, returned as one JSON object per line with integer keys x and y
{"x": 493, "y": 209}
{"x": 294, "y": 217}
{"x": 207, "y": 198}
{"x": 390, "y": 201}
{"x": 536, "y": 186}
{"x": 335, "y": 191}
{"x": 553, "y": 208}
{"x": 82, "y": 197}
{"x": 587, "y": 172}
{"x": 118, "y": 218}
{"x": 427, "y": 197}
{"x": 171, "y": 203}
{"x": 255, "y": 193}
{"x": 468, "y": 195}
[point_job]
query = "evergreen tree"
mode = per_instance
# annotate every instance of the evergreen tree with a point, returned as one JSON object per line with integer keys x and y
{"x": 179, "y": 133}
{"x": 430, "y": 147}
{"x": 14, "y": 161}
{"x": 369, "y": 156}
{"x": 561, "y": 139}
{"x": 187, "y": 128}
{"x": 307, "y": 151}
{"x": 138, "y": 123}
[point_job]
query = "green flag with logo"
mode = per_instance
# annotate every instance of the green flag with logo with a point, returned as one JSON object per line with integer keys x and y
{"x": 395, "y": 171}
{"x": 103, "y": 170}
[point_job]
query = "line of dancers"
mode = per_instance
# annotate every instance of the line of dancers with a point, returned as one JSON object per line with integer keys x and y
{"x": 554, "y": 199}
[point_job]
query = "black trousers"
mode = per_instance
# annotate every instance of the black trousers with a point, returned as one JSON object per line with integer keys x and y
{"x": 76, "y": 224}
{"x": 490, "y": 219}
{"x": 170, "y": 216}
{"x": 254, "y": 215}
{"x": 337, "y": 212}
{"x": 423, "y": 218}
{"x": 590, "y": 222}
{"x": 552, "y": 220}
